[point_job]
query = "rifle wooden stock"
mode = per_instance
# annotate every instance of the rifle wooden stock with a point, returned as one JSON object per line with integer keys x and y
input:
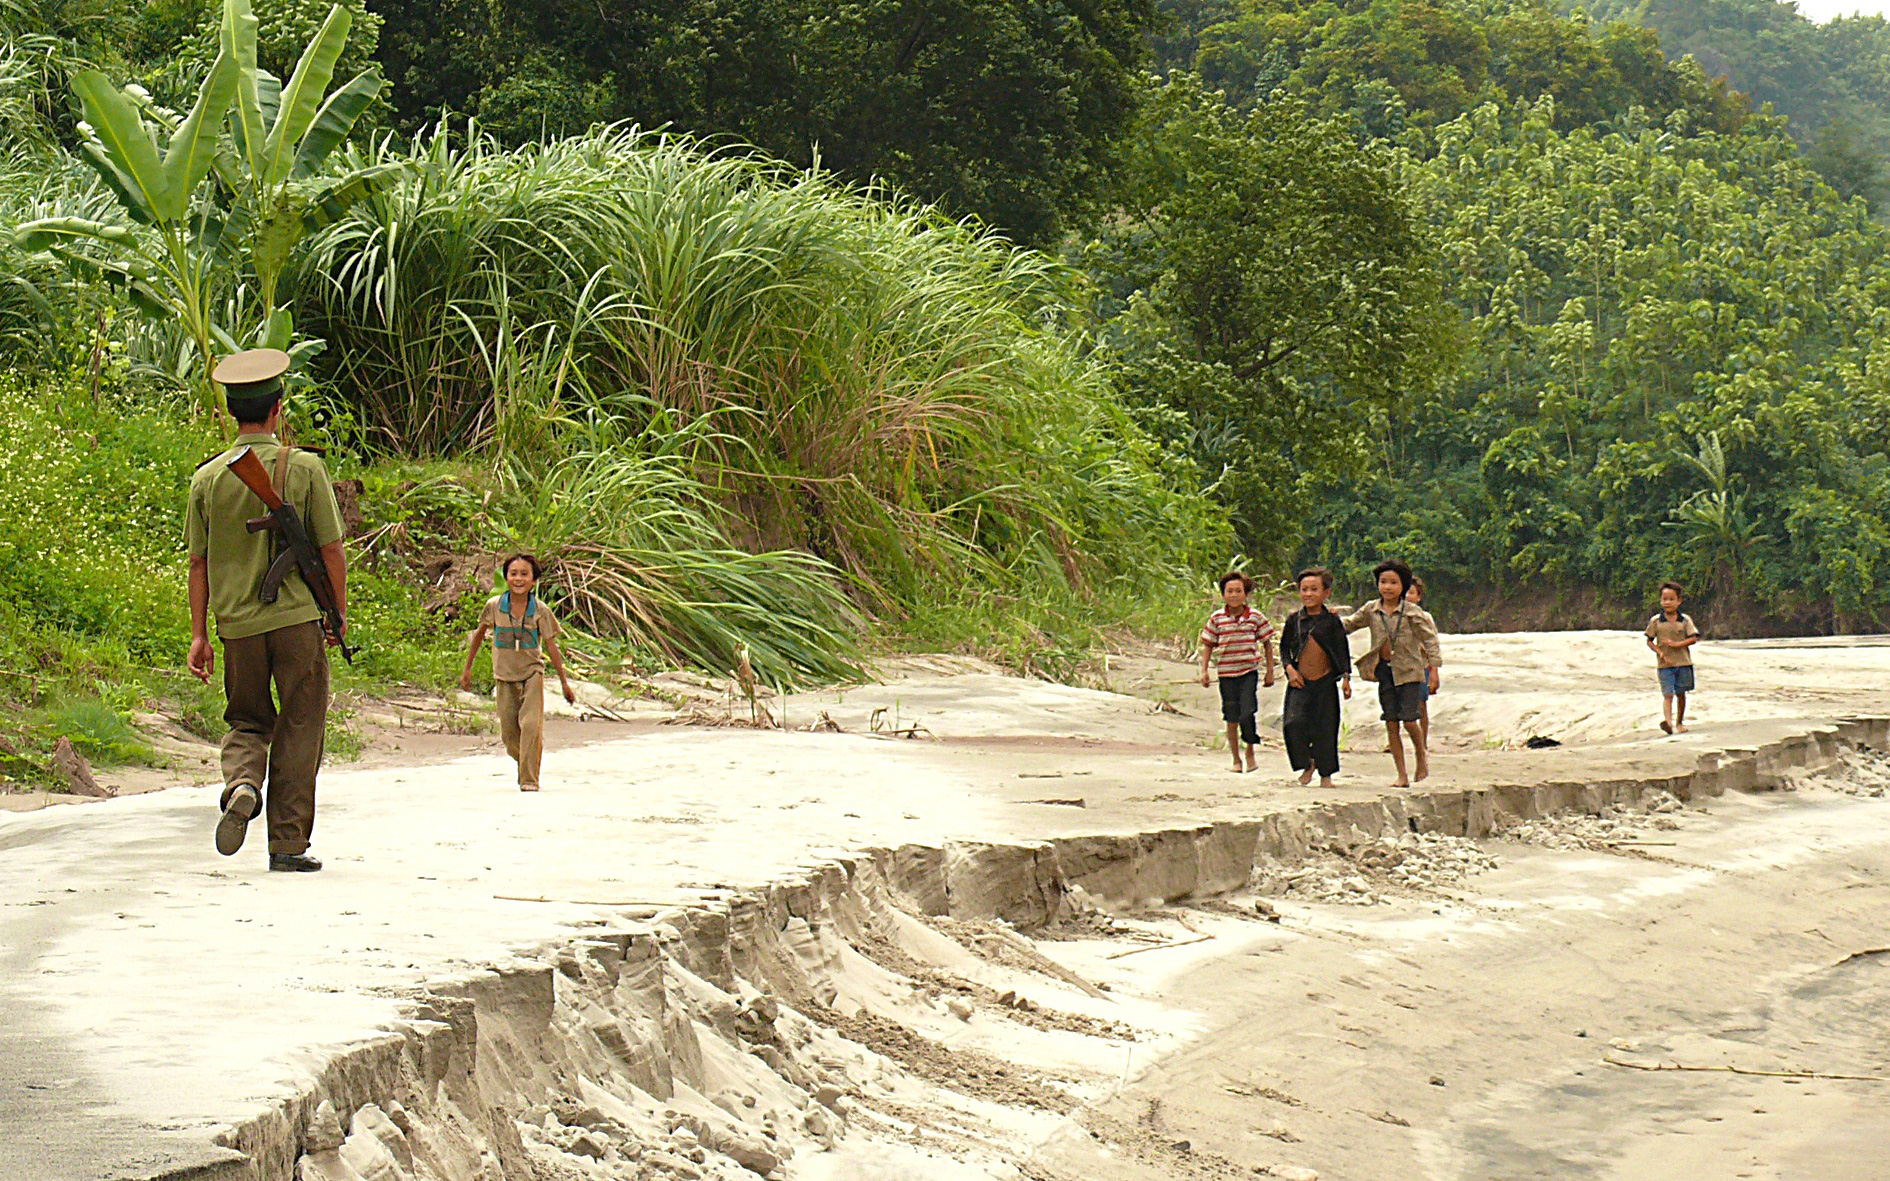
{"x": 249, "y": 469}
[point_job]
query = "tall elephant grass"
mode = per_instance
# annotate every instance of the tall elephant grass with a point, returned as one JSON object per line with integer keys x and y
{"x": 638, "y": 551}
{"x": 898, "y": 411}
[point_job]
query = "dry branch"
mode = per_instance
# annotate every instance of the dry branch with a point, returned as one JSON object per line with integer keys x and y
{"x": 1659, "y": 1067}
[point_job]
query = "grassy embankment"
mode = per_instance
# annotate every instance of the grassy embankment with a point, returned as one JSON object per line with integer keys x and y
{"x": 735, "y": 407}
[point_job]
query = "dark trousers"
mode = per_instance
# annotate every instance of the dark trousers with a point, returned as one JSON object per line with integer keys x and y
{"x": 1240, "y": 704}
{"x": 280, "y": 747}
{"x": 1310, "y": 724}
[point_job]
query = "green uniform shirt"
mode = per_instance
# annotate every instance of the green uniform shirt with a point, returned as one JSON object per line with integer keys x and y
{"x": 237, "y": 558}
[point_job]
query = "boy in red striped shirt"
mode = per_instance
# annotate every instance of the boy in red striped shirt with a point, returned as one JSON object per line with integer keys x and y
{"x": 1235, "y": 637}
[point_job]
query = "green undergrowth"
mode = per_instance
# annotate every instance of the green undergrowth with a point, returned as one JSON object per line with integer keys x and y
{"x": 92, "y": 578}
{"x": 93, "y": 571}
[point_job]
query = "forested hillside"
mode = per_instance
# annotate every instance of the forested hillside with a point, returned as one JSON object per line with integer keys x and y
{"x": 1659, "y": 352}
{"x": 798, "y": 329}
{"x": 1831, "y": 80}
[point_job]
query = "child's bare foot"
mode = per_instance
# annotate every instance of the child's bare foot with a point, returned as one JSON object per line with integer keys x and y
{"x": 1401, "y": 783}
{"x": 1423, "y": 767}
{"x": 1237, "y": 767}
{"x": 528, "y": 787}
{"x": 1325, "y": 781}
{"x": 1253, "y": 764}
{"x": 1305, "y": 777}
{"x": 1666, "y": 727}
{"x": 1680, "y": 727}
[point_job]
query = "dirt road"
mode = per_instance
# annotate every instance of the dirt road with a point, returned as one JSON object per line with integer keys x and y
{"x": 165, "y": 1009}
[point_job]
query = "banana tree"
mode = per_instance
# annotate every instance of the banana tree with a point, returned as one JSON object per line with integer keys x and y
{"x": 281, "y": 138}
{"x": 165, "y": 259}
{"x": 207, "y": 212}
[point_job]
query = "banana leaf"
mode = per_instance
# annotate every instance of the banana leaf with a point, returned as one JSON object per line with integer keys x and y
{"x": 239, "y": 42}
{"x": 335, "y": 120}
{"x": 127, "y": 147}
{"x": 302, "y": 98}
{"x": 193, "y": 146}
{"x": 48, "y": 233}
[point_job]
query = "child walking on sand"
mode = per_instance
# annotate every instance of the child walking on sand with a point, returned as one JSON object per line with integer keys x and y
{"x": 1317, "y": 660}
{"x": 1234, "y": 637}
{"x": 523, "y": 631}
{"x": 1404, "y": 645}
{"x": 1672, "y": 635}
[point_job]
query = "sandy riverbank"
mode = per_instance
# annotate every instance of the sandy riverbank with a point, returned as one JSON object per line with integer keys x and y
{"x": 155, "y": 997}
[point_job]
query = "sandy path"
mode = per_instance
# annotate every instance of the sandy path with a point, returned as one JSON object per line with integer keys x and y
{"x": 152, "y": 991}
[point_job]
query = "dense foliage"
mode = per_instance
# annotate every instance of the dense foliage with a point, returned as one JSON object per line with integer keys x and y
{"x": 1006, "y": 109}
{"x": 872, "y": 384}
{"x": 1672, "y": 369}
{"x": 1831, "y": 80}
{"x": 1398, "y": 63}
{"x": 1272, "y": 322}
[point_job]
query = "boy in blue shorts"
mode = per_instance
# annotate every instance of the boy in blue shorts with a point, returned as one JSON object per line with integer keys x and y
{"x": 1671, "y": 635}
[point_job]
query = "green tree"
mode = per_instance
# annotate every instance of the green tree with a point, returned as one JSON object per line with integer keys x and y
{"x": 201, "y": 211}
{"x": 1003, "y": 109}
{"x": 1441, "y": 59}
{"x": 1628, "y": 294}
{"x": 1720, "y": 534}
{"x": 1276, "y": 291}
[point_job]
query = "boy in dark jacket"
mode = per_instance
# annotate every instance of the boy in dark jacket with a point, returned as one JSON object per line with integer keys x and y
{"x": 1318, "y": 662}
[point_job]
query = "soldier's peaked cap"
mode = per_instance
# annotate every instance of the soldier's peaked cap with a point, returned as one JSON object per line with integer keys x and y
{"x": 254, "y": 373}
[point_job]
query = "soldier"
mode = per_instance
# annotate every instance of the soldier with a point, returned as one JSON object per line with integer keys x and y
{"x": 279, "y": 745}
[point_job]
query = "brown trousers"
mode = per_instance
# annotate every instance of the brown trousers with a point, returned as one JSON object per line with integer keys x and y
{"x": 280, "y": 747}
{"x": 522, "y": 723}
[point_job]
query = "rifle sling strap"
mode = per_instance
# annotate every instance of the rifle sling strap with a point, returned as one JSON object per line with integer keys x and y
{"x": 281, "y": 480}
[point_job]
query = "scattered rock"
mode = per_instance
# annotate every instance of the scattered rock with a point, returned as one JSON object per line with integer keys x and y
{"x": 1360, "y": 870}
{"x": 961, "y": 1008}
{"x": 588, "y": 1144}
{"x": 1863, "y": 772}
{"x": 669, "y": 1162}
{"x": 1609, "y": 831}
{"x": 751, "y": 1154}
{"x": 76, "y": 773}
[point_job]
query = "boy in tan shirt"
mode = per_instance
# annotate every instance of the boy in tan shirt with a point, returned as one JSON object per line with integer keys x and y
{"x": 1671, "y": 635}
{"x": 1403, "y": 656}
{"x": 523, "y": 632}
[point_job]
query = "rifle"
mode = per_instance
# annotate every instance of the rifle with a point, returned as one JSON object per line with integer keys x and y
{"x": 298, "y": 549}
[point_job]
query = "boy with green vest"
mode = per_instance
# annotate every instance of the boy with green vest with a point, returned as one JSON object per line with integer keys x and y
{"x": 524, "y": 632}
